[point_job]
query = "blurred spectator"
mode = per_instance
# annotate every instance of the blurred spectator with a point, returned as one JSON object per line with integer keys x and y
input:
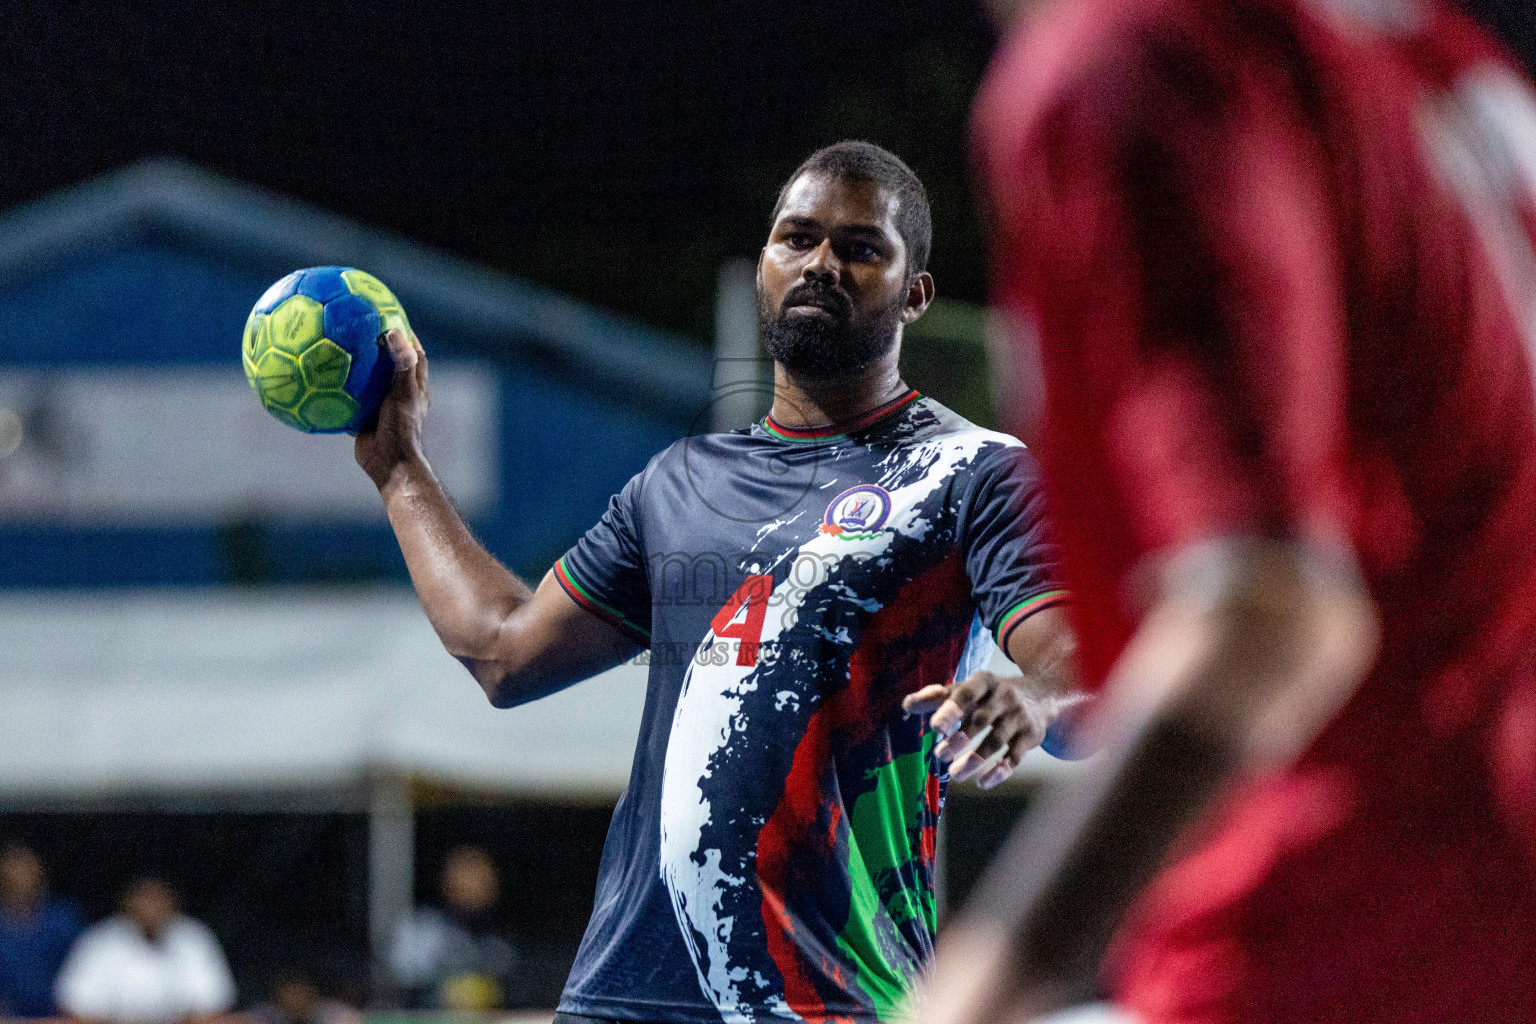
{"x": 36, "y": 931}
{"x": 294, "y": 998}
{"x": 454, "y": 958}
{"x": 150, "y": 964}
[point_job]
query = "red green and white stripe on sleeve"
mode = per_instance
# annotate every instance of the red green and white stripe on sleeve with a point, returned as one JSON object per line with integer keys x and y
{"x": 582, "y": 596}
{"x": 1023, "y": 610}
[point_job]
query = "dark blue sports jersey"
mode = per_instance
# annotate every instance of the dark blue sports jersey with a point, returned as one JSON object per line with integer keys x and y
{"x": 773, "y": 855}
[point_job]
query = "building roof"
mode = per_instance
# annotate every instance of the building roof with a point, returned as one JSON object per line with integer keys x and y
{"x": 168, "y": 201}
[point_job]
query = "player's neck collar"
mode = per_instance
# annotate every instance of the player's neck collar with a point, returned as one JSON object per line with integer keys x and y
{"x": 833, "y": 431}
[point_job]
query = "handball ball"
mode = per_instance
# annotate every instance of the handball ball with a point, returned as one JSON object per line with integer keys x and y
{"x": 314, "y": 348}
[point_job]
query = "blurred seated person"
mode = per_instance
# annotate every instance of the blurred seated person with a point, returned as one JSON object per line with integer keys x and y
{"x": 454, "y": 957}
{"x": 294, "y": 998}
{"x": 36, "y": 931}
{"x": 150, "y": 964}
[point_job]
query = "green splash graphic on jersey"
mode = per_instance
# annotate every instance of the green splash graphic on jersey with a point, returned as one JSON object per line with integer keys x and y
{"x": 883, "y": 843}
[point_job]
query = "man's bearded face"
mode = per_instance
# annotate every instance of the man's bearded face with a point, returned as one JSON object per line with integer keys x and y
{"x": 829, "y": 344}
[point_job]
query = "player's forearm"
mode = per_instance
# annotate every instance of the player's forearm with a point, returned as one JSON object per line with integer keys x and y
{"x": 466, "y": 593}
{"x": 1033, "y": 933}
{"x": 1045, "y": 651}
{"x": 1059, "y": 891}
{"x": 1211, "y": 686}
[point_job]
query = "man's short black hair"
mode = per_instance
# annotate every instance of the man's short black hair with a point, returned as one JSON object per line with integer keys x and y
{"x": 864, "y": 161}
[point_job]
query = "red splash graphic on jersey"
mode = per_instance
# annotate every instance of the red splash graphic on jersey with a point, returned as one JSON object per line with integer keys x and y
{"x": 893, "y": 658}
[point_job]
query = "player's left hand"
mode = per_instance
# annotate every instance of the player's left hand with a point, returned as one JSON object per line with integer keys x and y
{"x": 1004, "y": 711}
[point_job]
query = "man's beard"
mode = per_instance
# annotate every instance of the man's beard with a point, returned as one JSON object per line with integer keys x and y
{"x": 826, "y": 347}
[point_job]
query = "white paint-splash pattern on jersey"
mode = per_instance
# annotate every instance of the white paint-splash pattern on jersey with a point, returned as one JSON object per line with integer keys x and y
{"x": 709, "y": 713}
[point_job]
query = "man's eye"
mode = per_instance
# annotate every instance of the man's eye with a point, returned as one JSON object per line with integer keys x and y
{"x": 800, "y": 241}
{"x": 862, "y": 252}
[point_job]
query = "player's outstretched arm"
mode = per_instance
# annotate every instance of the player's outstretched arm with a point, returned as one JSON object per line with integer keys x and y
{"x": 519, "y": 643}
{"x": 1250, "y": 650}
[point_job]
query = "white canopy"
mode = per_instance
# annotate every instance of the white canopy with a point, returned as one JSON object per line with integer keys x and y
{"x": 110, "y": 695}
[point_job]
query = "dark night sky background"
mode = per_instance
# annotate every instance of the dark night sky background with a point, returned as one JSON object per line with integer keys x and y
{"x": 617, "y": 151}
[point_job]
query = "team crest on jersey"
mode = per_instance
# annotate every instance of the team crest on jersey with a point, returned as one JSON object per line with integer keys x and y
{"x": 858, "y": 513}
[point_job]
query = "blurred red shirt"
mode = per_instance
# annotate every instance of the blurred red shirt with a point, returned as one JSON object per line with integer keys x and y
{"x": 1279, "y": 257}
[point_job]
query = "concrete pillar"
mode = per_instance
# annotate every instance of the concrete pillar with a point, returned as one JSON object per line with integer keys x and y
{"x": 743, "y": 379}
{"x": 391, "y": 865}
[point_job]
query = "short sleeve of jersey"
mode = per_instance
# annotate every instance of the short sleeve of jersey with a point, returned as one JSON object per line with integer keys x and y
{"x": 605, "y": 571}
{"x": 1165, "y": 219}
{"x": 1010, "y": 556}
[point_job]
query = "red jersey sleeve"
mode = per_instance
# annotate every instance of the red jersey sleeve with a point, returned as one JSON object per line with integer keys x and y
{"x": 1160, "y": 212}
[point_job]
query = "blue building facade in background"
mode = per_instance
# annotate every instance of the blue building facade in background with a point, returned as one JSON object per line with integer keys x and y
{"x": 157, "y": 266}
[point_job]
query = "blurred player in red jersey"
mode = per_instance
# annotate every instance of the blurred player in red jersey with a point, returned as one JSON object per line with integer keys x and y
{"x": 1279, "y": 256}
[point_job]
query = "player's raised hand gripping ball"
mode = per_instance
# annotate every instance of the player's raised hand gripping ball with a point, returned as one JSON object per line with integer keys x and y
{"x": 314, "y": 348}
{"x": 395, "y": 440}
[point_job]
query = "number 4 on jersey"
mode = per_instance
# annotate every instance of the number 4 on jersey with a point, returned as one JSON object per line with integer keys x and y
{"x": 750, "y": 603}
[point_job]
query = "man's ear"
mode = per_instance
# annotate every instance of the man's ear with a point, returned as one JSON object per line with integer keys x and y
{"x": 919, "y": 295}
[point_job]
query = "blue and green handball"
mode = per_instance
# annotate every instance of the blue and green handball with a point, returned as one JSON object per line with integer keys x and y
{"x": 314, "y": 348}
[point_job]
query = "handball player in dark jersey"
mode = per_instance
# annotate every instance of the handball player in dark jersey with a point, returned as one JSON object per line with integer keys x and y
{"x": 1279, "y": 257}
{"x": 809, "y": 590}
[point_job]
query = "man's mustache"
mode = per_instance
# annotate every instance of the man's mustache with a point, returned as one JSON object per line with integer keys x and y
{"x": 830, "y": 299}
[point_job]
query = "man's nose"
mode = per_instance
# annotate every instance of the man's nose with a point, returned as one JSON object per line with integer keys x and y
{"x": 823, "y": 267}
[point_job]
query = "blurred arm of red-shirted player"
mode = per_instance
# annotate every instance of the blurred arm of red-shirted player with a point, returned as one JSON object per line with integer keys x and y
{"x": 1172, "y": 237}
{"x": 1249, "y": 651}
